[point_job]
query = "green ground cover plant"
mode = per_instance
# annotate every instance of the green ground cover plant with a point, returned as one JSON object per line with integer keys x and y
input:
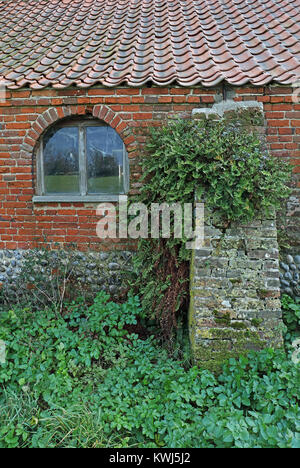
{"x": 291, "y": 318}
{"x": 86, "y": 378}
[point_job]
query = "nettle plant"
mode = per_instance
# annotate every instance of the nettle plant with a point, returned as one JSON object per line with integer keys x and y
{"x": 225, "y": 166}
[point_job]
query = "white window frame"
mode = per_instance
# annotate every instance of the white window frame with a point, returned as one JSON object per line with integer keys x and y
{"x": 42, "y": 196}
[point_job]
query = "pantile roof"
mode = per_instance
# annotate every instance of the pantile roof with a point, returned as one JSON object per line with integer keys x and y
{"x": 61, "y": 43}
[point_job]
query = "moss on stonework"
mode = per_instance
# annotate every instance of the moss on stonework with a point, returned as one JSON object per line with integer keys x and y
{"x": 191, "y": 316}
{"x": 256, "y": 322}
{"x": 225, "y": 319}
{"x": 214, "y": 363}
{"x": 239, "y": 325}
{"x": 221, "y": 318}
{"x": 245, "y": 117}
{"x": 213, "y": 346}
{"x": 213, "y": 356}
{"x": 236, "y": 280}
{"x": 263, "y": 293}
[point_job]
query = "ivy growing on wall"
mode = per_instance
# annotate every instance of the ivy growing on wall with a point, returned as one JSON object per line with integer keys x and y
{"x": 223, "y": 163}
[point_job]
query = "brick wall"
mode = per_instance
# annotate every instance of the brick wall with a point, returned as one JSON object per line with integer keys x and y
{"x": 282, "y": 113}
{"x": 26, "y": 113}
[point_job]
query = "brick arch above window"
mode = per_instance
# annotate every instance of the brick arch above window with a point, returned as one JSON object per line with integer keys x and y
{"x": 55, "y": 114}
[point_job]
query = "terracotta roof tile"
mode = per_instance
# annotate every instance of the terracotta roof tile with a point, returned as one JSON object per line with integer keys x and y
{"x": 61, "y": 43}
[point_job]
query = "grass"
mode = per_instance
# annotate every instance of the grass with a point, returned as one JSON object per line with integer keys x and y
{"x": 70, "y": 184}
{"x": 73, "y": 428}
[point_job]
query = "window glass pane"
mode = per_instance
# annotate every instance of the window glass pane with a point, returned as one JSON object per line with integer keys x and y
{"x": 61, "y": 160}
{"x": 104, "y": 149}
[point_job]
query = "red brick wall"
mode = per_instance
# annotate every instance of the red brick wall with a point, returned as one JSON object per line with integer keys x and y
{"x": 26, "y": 113}
{"x": 282, "y": 112}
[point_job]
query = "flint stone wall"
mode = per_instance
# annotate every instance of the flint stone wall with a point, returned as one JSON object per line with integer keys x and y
{"x": 290, "y": 276}
{"x": 87, "y": 271}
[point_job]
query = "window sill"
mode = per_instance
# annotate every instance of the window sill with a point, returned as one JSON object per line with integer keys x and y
{"x": 76, "y": 198}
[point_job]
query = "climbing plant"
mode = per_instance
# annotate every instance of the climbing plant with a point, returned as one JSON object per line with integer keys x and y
{"x": 223, "y": 163}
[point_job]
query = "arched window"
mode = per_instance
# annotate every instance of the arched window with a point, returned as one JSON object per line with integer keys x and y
{"x": 81, "y": 160}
